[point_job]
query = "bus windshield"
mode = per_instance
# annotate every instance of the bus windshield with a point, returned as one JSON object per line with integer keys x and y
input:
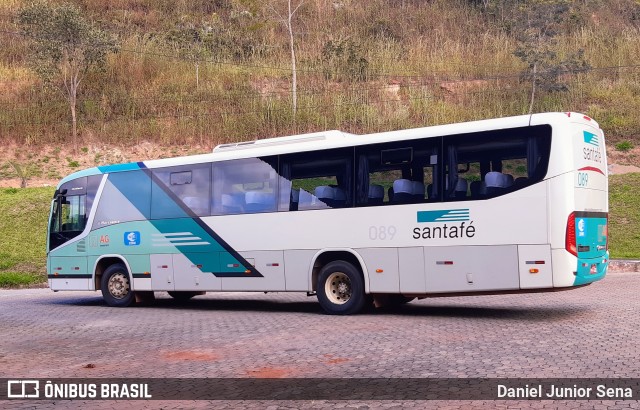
{"x": 71, "y": 206}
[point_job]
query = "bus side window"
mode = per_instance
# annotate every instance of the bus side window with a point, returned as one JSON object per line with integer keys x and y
{"x": 182, "y": 186}
{"x": 397, "y": 173}
{"x": 244, "y": 186}
{"x": 494, "y": 163}
{"x": 316, "y": 180}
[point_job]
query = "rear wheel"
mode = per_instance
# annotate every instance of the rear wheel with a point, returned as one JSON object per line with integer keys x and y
{"x": 340, "y": 288}
{"x": 182, "y": 296}
{"x": 116, "y": 286}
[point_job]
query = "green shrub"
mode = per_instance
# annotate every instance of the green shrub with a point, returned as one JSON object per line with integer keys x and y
{"x": 624, "y": 146}
{"x": 13, "y": 279}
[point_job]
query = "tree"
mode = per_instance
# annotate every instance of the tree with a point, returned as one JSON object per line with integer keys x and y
{"x": 537, "y": 27}
{"x": 64, "y": 48}
{"x": 288, "y": 23}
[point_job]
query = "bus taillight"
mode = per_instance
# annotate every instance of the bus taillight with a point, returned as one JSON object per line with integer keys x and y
{"x": 570, "y": 237}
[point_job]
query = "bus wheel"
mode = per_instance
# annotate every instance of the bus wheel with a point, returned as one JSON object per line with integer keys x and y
{"x": 116, "y": 286}
{"x": 182, "y": 296}
{"x": 340, "y": 288}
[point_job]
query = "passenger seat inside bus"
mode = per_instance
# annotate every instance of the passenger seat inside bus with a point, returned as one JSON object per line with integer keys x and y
{"x": 493, "y": 181}
{"x": 520, "y": 182}
{"x": 325, "y": 194}
{"x": 507, "y": 181}
{"x": 375, "y": 195}
{"x": 497, "y": 183}
{"x": 401, "y": 192}
{"x": 417, "y": 190}
{"x": 295, "y": 199}
{"x": 258, "y": 201}
{"x": 232, "y": 203}
{"x": 339, "y": 197}
{"x": 461, "y": 188}
{"x": 305, "y": 199}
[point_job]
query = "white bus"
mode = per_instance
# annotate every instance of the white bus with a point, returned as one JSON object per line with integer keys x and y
{"x": 506, "y": 205}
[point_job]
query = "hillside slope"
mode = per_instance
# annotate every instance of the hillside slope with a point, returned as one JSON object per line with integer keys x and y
{"x": 200, "y": 72}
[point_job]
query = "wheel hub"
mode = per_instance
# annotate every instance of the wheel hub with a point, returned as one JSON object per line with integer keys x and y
{"x": 338, "y": 288}
{"x": 119, "y": 286}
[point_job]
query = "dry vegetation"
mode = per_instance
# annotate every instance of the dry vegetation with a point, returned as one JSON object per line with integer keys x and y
{"x": 364, "y": 66}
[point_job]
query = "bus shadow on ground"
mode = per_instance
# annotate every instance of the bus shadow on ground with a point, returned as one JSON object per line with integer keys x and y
{"x": 534, "y": 314}
{"x": 414, "y": 309}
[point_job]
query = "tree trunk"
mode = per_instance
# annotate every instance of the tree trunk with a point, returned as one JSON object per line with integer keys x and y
{"x": 533, "y": 88}
{"x": 294, "y": 81}
{"x": 74, "y": 123}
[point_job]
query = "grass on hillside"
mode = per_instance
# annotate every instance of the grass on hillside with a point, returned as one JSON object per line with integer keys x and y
{"x": 25, "y": 211}
{"x": 19, "y": 279}
{"x": 624, "y": 216}
{"x": 460, "y": 66}
{"x": 23, "y": 228}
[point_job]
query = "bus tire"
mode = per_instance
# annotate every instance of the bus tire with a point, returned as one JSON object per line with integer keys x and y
{"x": 340, "y": 288}
{"x": 182, "y": 296}
{"x": 116, "y": 286}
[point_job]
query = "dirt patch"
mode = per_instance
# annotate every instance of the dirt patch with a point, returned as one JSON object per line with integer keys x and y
{"x": 616, "y": 169}
{"x": 629, "y": 157}
{"x": 46, "y": 165}
{"x": 197, "y": 355}
{"x": 330, "y": 359}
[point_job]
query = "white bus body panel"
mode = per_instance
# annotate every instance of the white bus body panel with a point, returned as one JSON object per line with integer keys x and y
{"x": 190, "y": 277}
{"x": 471, "y": 268}
{"x": 412, "y": 272}
{"x": 269, "y": 263}
{"x": 70, "y": 284}
{"x": 382, "y": 266}
{"x": 528, "y": 255}
{"x": 162, "y": 272}
{"x": 297, "y": 269}
{"x": 69, "y": 265}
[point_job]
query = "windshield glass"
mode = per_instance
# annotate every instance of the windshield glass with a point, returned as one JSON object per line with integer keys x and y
{"x": 69, "y": 214}
{"x": 72, "y": 204}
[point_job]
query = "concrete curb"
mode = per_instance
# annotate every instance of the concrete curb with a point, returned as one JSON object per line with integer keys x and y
{"x": 624, "y": 265}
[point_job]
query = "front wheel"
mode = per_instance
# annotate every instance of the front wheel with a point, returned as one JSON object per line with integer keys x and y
{"x": 340, "y": 288}
{"x": 116, "y": 286}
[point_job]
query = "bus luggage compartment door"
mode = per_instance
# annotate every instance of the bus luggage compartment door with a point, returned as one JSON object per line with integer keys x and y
{"x": 194, "y": 276}
{"x": 534, "y": 262}
{"x": 162, "y": 272}
{"x": 471, "y": 268}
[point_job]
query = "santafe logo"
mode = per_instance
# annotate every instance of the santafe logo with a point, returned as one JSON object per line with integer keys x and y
{"x": 592, "y": 151}
{"x": 447, "y": 224}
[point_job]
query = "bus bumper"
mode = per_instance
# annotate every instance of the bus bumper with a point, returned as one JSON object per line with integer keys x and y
{"x": 591, "y": 270}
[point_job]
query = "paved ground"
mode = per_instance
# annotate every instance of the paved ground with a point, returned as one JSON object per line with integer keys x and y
{"x": 588, "y": 332}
